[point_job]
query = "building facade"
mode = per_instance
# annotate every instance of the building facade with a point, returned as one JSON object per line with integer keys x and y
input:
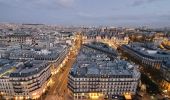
{"x": 28, "y": 80}
{"x": 97, "y": 76}
{"x": 17, "y": 38}
{"x": 165, "y": 71}
{"x": 146, "y": 55}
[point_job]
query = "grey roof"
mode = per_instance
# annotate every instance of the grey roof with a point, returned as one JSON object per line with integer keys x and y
{"x": 49, "y": 55}
{"x": 7, "y": 67}
{"x": 4, "y": 61}
{"x": 167, "y": 64}
{"x": 91, "y": 62}
{"x": 148, "y": 51}
{"x": 29, "y": 68}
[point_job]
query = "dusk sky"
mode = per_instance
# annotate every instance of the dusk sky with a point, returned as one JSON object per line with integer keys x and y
{"x": 155, "y": 13}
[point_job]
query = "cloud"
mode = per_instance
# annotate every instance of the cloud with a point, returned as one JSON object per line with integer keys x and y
{"x": 66, "y": 3}
{"x": 135, "y": 18}
{"x": 85, "y": 11}
{"x": 38, "y": 3}
{"x": 141, "y": 2}
{"x": 86, "y": 15}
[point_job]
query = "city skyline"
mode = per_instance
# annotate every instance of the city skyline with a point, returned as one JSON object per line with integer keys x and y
{"x": 46, "y": 62}
{"x": 131, "y": 13}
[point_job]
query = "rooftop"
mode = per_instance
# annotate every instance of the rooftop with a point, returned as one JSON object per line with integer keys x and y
{"x": 37, "y": 53}
{"x": 8, "y": 67}
{"x": 4, "y": 61}
{"x": 103, "y": 47}
{"x": 149, "y": 51}
{"x": 22, "y": 69}
{"x": 91, "y": 62}
{"x": 29, "y": 68}
{"x": 167, "y": 64}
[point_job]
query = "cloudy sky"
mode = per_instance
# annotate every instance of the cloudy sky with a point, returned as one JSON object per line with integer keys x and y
{"x": 154, "y": 13}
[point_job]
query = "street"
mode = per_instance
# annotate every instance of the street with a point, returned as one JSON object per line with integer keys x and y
{"x": 58, "y": 90}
